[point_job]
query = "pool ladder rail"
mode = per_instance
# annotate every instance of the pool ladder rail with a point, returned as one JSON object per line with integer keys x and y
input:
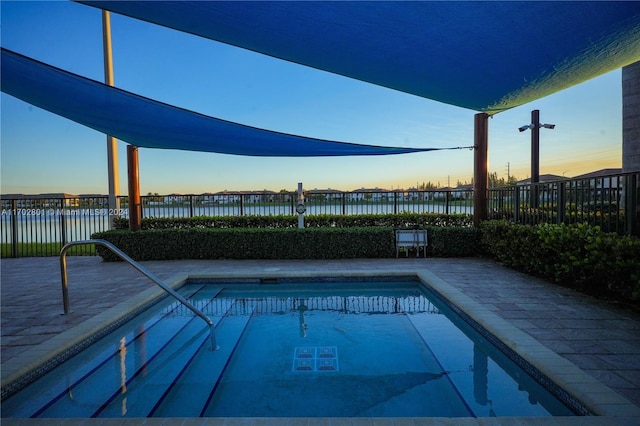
{"x": 143, "y": 270}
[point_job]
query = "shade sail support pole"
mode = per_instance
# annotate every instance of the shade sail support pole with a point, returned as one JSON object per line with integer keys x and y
{"x": 112, "y": 143}
{"x": 481, "y": 168}
{"x": 135, "y": 207}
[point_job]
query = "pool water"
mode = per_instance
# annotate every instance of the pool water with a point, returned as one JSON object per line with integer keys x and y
{"x": 337, "y": 349}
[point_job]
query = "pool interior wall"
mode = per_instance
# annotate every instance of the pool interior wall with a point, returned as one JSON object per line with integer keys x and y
{"x": 385, "y": 363}
{"x": 512, "y": 338}
{"x": 416, "y": 360}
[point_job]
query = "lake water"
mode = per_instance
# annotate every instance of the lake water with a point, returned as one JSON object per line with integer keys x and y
{"x": 51, "y": 225}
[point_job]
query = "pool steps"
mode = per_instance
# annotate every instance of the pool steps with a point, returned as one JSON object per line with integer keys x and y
{"x": 179, "y": 344}
{"x": 122, "y": 255}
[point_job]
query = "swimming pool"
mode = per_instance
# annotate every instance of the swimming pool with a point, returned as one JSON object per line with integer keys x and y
{"x": 336, "y": 348}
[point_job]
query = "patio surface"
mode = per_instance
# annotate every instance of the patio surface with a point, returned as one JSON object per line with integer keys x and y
{"x": 563, "y": 329}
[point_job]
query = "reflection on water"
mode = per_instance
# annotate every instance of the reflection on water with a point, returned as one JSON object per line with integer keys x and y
{"x": 379, "y": 350}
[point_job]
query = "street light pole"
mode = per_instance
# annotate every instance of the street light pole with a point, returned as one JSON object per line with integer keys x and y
{"x": 535, "y": 157}
{"x": 535, "y": 126}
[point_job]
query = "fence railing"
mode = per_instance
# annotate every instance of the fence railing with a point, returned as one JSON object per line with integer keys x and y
{"x": 317, "y": 202}
{"x": 41, "y": 226}
{"x": 610, "y": 202}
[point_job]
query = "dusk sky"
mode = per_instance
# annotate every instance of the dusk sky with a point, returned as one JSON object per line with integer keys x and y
{"x": 44, "y": 153}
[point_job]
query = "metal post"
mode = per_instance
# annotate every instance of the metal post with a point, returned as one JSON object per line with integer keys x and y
{"x": 395, "y": 202}
{"x": 14, "y": 228}
{"x": 561, "y": 200}
{"x": 135, "y": 208}
{"x": 481, "y": 167}
{"x": 112, "y": 143}
{"x": 516, "y": 205}
{"x": 535, "y": 157}
{"x": 300, "y": 207}
{"x": 447, "y": 201}
{"x": 63, "y": 223}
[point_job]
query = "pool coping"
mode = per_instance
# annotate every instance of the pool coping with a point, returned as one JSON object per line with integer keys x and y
{"x": 594, "y": 395}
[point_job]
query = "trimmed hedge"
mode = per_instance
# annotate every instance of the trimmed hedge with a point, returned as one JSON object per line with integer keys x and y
{"x": 580, "y": 256}
{"x": 281, "y": 243}
{"x": 311, "y": 221}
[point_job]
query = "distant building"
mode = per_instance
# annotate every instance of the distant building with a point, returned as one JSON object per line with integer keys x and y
{"x": 542, "y": 178}
{"x": 323, "y": 194}
{"x": 606, "y": 184}
{"x": 223, "y": 197}
{"x": 172, "y": 198}
{"x": 369, "y": 194}
{"x": 462, "y": 191}
{"x": 599, "y": 173}
{"x": 263, "y": 196}
{"x": 50, "y": 200}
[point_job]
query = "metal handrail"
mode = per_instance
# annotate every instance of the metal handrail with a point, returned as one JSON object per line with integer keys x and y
{"x": 152, "y": 277}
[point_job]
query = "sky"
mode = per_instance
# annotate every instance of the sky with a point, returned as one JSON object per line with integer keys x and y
{"x": 43, "y": 153}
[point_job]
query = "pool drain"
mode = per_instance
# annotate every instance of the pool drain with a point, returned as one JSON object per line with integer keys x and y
{"x": 315, "y": 359}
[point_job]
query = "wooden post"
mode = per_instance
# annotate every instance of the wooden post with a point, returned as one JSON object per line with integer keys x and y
{"x": 135, "y": 207}
{"x": 481, "y": 168}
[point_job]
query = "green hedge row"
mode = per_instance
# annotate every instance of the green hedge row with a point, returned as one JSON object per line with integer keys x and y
{"x": 281, "y": 243}
{"x": 580, "y": 256}
{"x": 311, "y": 221}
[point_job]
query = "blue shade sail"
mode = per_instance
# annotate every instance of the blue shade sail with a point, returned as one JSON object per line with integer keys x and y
{"x": 486, "y": 56}
{"x": 147, "y": 123}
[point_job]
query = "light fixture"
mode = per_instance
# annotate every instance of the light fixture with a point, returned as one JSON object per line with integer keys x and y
{"x": 535, "y": 127}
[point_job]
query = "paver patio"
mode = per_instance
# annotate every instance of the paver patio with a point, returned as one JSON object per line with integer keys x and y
{"x": 600, "y": 338}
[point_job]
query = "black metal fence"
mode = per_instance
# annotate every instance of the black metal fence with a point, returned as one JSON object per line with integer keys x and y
{"x": 40, "y": 225}
{"x": 610, "y": 202}
{"x": 317, "y": 202}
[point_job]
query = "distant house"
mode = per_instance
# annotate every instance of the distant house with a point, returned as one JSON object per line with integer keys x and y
{"x": 542, "y": 178}
{"x": 413, "y": 194}
{"x": 94, "y": 200}
{"x": 462, "y": 191}
{"x": 371, "y": 194}
{"x": 207, "y": 198}
{"x": 599, "y": 173}
{"x": 223, "y": 197}
{"x": 322, "y": 194}
{"x": 605, "y": 178}
{"x": 547, "y": 192}
{"x": 441, "y": 193}
{"x": 401, "y": 194}
{"x": 606, "y": 184}
{"x": 50, "y": 200}
{"x": 172, "y": 198}
{"x": 263, "y": 196}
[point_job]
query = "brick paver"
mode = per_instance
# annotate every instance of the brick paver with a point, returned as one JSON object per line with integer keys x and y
{"x": 599, "y": 338}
